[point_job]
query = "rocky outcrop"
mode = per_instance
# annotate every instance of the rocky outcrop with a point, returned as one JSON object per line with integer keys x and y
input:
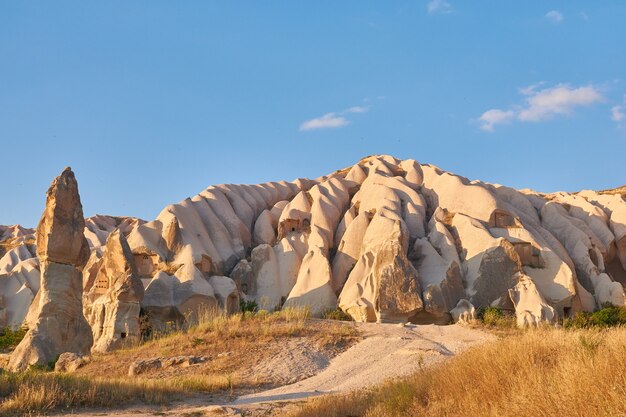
{"x": 345, "y": 239}
{"x": 463, "y": 313}
{"x": 226, "y": 293}
{"x": 143, "y": 366}
{"x": 440, "y": 273}
{"x": 57, "y": 324}
{"x": 531, "y": 309}
{"x": 69, "y": 362}
{"x": 112, "y": 305}
{"x": 313, "y": 288}
{"x": 170, "y": 300}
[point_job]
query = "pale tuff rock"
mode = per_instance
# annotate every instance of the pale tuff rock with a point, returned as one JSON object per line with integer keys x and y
{"x": 263, "y": 229}
{"x": 383, "y": 286}
{"x": 489, "y": 264}
{"x": 117, "y": 292}
{"x": 439, "y": 268}
{"x": 57, "y": 323}
{"x": 463, "y": 313}
{"x": 441, "y": 280}
{"x": 179, "y": 297}
{"x": 296, "y": 216}
{"x": 313, "y": 287}
{"x": 60, "y": 233}
{"x": 530, "y": 307}
{"x": 264, "y": 284}
{"x": 289, "y": 261}
{"x": 226, "y": 293}
{"x": 349, "y": 249}
{"x": 18, "y": 288}
{"x": 588, "y": 260}
{"x": 69, "y": 362}
{"x": 309, "y": 242}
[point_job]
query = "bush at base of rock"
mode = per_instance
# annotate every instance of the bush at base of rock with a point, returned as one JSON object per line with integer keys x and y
{"x": 336, "y": 314}
{"x": 605, "y": 317}
{"x": 11, "y": 338}
{"x": 496, "y": 317}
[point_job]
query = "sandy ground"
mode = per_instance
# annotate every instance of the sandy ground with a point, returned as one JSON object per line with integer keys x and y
{"x": 387, "y": 351}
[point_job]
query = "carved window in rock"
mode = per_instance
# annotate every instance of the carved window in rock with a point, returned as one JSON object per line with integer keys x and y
{"x": 145, "y": 265}
{"x": 292, "y": 226}
{"x": 502, "y": 219}
{"x": 528, "y": 254}
{"x": 102, "y": 285}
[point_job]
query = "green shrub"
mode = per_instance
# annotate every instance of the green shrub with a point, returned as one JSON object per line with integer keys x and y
{"x": 248, "y": 306}
{"x": 336, "y": 314}
{"x": 11, "y": 338}
{"x": 495, "y": 317}
{"x": 606, "y": 317}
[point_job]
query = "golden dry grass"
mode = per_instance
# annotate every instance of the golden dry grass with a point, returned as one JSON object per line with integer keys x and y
{"x": 38, "y": 391}
{"x": 546, "y": 372}
{"x": 232, "y": 342}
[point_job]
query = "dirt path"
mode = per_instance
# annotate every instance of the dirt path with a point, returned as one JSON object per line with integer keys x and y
{"x": 387, "y": 351}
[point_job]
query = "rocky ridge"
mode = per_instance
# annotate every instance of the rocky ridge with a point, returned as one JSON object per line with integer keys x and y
{"x": 384, "y": 240}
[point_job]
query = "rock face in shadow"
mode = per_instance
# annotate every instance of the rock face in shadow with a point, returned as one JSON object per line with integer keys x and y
{"x": 57, "y": 324}
{"x": 118, "y": 292}
{"x": 398, "y": 285}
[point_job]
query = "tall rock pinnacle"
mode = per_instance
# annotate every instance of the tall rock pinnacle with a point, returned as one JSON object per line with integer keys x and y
{"x": 55, "y": 320}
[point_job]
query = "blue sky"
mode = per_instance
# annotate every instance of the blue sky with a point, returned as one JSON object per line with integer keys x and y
{"x": 150, "y": 102}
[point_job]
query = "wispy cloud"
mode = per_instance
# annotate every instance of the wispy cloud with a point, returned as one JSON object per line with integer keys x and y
{"x": 327, "y": 121}
{"x": 554, "y": 16}
{"x": 618, "y": 113}
{"x": 584, "y": 16}
{"x": 438, "y": 7}
{"x": 492, "y": 117}
{"x": 540, "y": 105}
{"x": 357, "y": 109}
{"x": 332, "y": 120}
{"x": 561, "y": 99}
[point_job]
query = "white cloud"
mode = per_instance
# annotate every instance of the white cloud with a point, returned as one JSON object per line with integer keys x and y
{"x": 618, "y": 113}
{"x": 357, "y": 109}
{"x": 438, "y": 7}
{"x": 584, "y": 16}
{"x": 492, "y": 117}
{"x": 327, "y": 121}
{"x": 542, "y": 105}
{"x": 554, "y": 16}
{"x": 561, "y": 99}
{"x": 333, "y": 120}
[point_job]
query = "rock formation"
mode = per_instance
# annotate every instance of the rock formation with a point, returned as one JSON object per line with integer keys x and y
{"x": 113, "y": 303}
{"x": 530, "y": 307}
{"x": 57, "y": 324}
{"x": 463, "y": 313}
{"x": 384, "y": 240}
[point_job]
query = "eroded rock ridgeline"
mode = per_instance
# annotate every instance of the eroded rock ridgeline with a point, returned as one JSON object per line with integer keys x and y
{"x": 385, "y": 239}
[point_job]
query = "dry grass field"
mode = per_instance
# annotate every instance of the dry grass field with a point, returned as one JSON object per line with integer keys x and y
{"x": 234, "y": 344}
{"x": 544, "y": 372}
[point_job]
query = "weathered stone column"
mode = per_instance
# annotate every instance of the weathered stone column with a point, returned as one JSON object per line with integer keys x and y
{"x": 56, "y": 322}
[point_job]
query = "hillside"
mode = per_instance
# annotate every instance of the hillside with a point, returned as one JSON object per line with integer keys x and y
{"x": 384, "y": 240}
